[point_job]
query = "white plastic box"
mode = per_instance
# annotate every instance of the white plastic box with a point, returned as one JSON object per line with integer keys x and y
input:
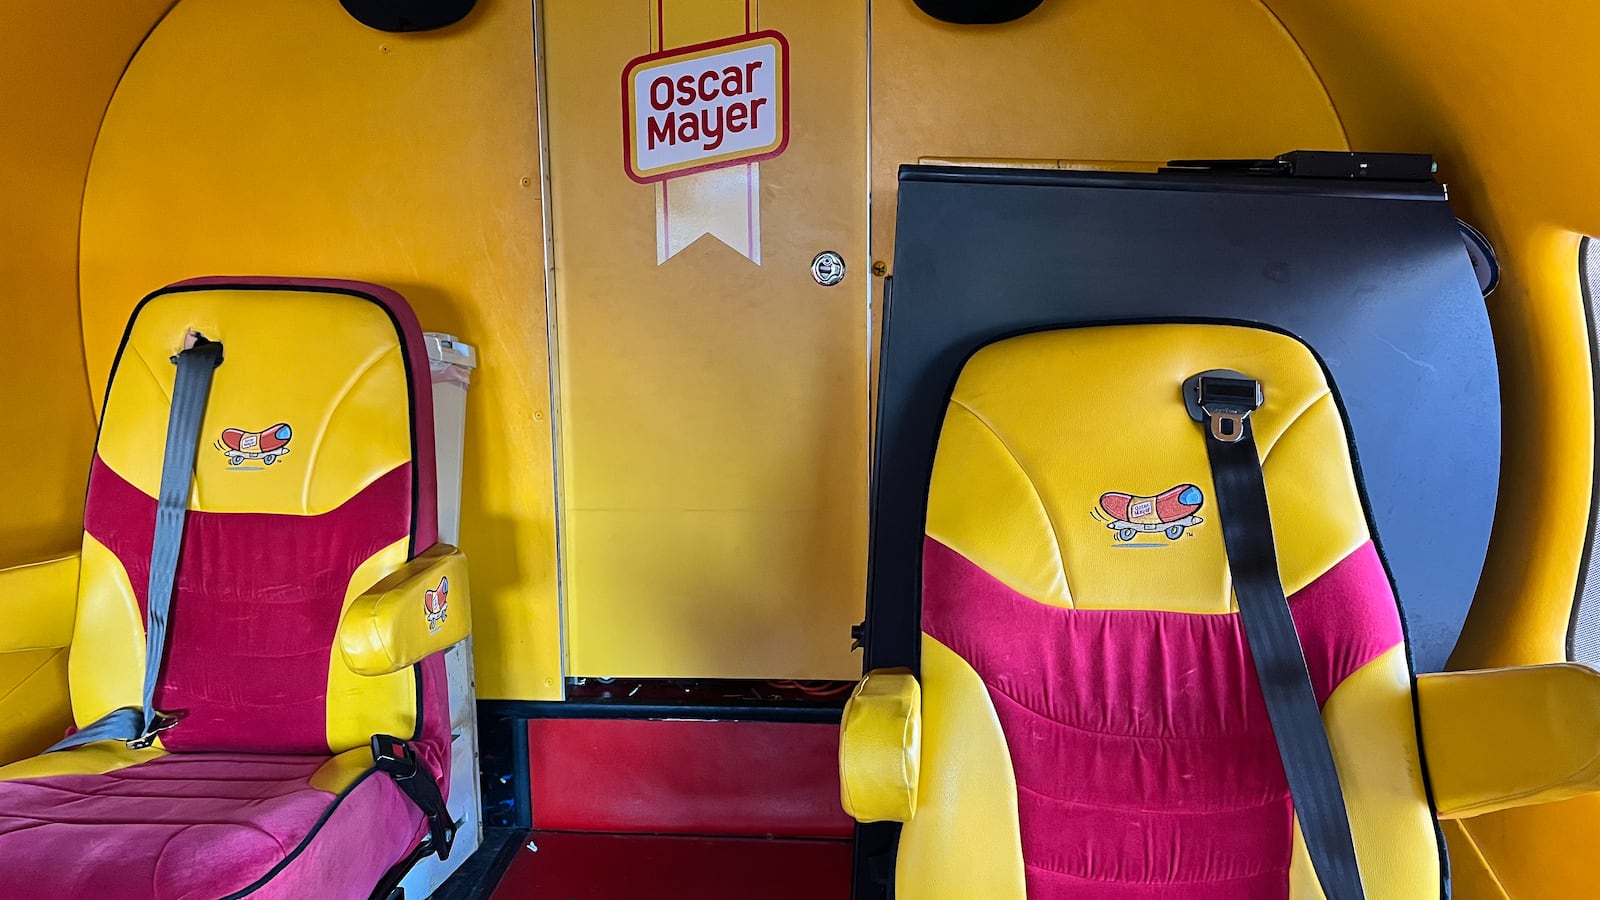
{"x": 451, "y": 363}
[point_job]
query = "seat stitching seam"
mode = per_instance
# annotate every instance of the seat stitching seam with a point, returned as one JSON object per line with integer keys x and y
{"x": 1293, "y": 421}
{"x": 1168, "y": 812}
{"x": 1055, "y": 534}
{"x": 1050, "y": 717}
{"x": 333, "y": 409}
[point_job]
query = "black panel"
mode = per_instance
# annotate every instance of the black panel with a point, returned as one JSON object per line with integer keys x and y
{"x": 1374, "y": 277}
{"x": 503, "y": 769}
{"x": 734, "y": 700}
{"x": 1583, "y": 633}
{"x": 408, "y": 15}
{"x": 978, "y": 12}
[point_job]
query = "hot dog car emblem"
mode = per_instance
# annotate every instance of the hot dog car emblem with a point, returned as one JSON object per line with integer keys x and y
{"x": 266, "y": 445}
{"x": 1169, "y": 512}
{"x": 436, "y": 605}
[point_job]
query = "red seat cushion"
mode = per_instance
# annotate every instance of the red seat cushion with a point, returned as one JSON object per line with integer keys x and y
{"x": 201, "y": 826}
{"x": 1134, "y": 729}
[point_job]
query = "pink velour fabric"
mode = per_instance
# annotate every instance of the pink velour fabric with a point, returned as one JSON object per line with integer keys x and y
{"x": 255, "y": 609}
{"x": 1145, "y": 763}
{"x": 201, "y": 826}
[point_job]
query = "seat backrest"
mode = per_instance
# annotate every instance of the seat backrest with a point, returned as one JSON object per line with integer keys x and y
{"x": 314, "y": 479}
{"x": 1093, "y": 725}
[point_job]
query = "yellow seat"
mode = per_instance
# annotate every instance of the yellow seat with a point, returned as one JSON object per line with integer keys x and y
{"x": 311, "y": 608}
{"x": 1086, "y": 721}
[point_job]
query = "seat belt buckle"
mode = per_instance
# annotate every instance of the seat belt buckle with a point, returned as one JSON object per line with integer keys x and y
{"x": 1227, "y": 400}
{"x": 396, "y": 758}
{"x": 162, "y": 722}
{"x": 393, "y": 756}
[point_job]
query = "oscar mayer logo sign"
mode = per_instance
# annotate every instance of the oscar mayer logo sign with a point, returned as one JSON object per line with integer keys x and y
{"x": 707, "y": 106}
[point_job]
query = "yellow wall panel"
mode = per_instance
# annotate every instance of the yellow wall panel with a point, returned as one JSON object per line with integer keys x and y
{"x": 285, "y": 138}
{"x": 1088, "y": 80}
{"x": 714, "y": 418}
{"x": 58, "y": 65}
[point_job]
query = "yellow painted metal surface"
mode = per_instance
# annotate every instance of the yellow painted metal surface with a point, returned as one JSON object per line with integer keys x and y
{"x": 287, "y": 139}
{"x": 58, "y": 65}
{"x": 714, "y": 396}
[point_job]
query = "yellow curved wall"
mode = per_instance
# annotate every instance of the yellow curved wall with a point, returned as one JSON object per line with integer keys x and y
{"x": 59, "y": 63}
{"x": 285, "y": 138}
{"x": 1504, "y": 95}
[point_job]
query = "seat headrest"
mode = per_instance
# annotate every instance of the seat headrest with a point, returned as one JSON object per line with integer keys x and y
{"x": 302, "y": 411}
{"x": 1070, "y": 469}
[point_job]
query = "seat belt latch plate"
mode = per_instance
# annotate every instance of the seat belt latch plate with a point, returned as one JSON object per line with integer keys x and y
{"x": 1227, "y": 401}
{"x": 162, "y": 722}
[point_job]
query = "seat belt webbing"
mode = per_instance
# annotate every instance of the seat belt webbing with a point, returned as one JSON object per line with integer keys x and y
{"x": 190, "y": 390}
{"x": 1225, "y": 404}
{"x": 399, "y": 760}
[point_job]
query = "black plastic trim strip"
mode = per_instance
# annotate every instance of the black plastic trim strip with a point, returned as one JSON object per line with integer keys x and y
{"x": 1586, "y": 250}
{"x": 593, "y": 709}
{"x": 481, "y": 873}
{"x": 1178, "y": 181}
{"x": 521, "y": 775}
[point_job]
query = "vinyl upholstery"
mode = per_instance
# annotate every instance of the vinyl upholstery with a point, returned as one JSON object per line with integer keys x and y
{"x": 314, "y": 483}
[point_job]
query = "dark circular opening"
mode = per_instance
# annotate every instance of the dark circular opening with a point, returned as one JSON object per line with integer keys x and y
{"x": 408, "y": 15}
{"x": 978, "y": 12}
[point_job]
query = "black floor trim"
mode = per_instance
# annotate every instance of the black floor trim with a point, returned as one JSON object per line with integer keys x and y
{"x": 482, "y": 871}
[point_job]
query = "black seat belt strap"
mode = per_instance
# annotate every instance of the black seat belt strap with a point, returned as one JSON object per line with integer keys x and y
{"x": 191, "y": 389}
{"x": 399, "y": 760}
{"x": 1224, "y": 402}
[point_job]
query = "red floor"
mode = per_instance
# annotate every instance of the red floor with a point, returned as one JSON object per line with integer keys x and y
{"x": 572, "y": 866}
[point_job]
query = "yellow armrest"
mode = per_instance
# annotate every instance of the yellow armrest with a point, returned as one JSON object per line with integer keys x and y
{"x": 418, "y": 610}
{"x": 880, "y": 747}
{"x": 1499, "y": 738}
{"x": 38, "y": 602}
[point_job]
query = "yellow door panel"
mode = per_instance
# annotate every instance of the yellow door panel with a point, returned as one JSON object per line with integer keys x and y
{"x": 712, "y": 393}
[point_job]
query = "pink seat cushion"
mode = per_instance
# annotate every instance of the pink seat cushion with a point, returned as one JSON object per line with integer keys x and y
{"x": 201, "y": 826}
{"x": 1145, "y": 762}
